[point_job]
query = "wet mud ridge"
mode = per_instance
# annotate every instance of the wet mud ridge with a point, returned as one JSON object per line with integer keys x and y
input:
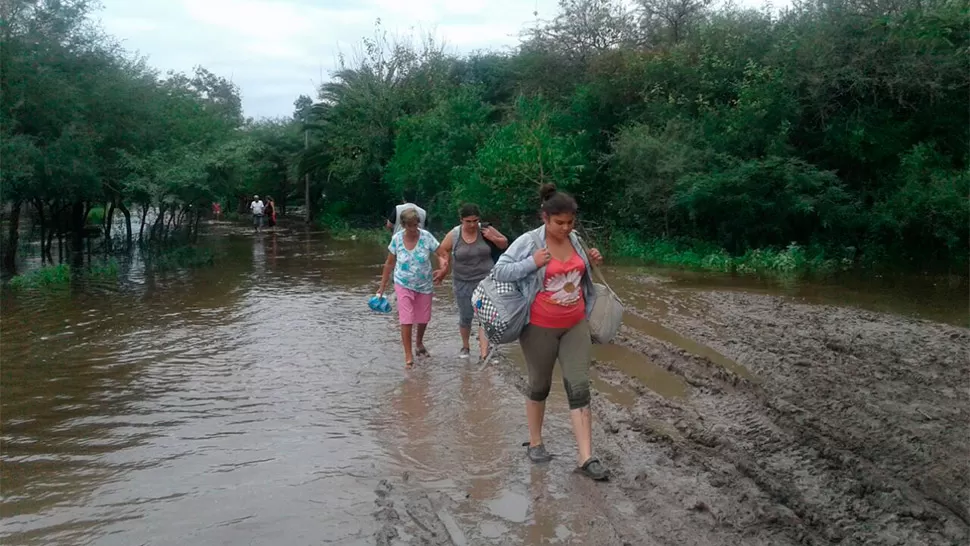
{"x": 413, "y": 516}
{"x": 835, "y": 426}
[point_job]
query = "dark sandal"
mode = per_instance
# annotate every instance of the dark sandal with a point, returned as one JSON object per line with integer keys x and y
{"x": 422, "y": 352}
{"x": 594, "y": 470}
{"x": 537, "y": 454}
{"x": 409, "y": 365}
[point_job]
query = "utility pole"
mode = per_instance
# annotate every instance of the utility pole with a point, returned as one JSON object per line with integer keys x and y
{"x": 306, "y": 146}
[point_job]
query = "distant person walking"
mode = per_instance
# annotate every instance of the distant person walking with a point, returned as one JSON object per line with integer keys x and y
{"x": 409, "y": 257}
{"x": 470, "y": 250}
{"x": 562, "y": 297}
{"x": 257, "y": 208}
{"x": 270, "y": 211}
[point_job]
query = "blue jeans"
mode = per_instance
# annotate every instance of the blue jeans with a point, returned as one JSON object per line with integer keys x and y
{"x": 463, "y": 295}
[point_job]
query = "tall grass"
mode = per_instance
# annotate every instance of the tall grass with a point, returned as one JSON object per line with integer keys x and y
{"x": 789, "y": 261}
{"x": 56, "y": 277}
{"x": 341, "y": 229}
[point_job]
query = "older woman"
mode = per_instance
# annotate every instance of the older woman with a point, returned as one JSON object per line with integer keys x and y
{"x": 409, "y": 257}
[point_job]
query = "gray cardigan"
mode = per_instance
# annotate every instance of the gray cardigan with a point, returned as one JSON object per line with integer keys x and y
{"x": 516, "y": 265}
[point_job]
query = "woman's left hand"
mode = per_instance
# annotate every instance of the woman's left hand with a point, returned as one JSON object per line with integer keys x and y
{"x": 491, "y": 233}
{"x": 496, "y": 237}
{"x": 595, "y": 257}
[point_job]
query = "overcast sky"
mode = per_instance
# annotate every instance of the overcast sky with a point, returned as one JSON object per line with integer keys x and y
{"x": 275, "y": 50}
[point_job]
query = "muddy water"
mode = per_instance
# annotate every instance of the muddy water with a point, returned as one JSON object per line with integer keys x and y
{"x": 939, "y": 298}
{"x": 259, "y": 401}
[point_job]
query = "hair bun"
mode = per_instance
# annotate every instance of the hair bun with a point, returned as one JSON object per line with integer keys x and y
{"x": 546, "y": 191}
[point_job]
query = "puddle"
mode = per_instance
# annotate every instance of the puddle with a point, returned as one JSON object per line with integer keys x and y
{"x": 510, "y": 506}
{"x": 615, "y": 394}
{"x": 636, "y": 365}
{"x": 625, "y": 360}
{"x": 491, "y": 529}
{"x": 663, "y": 333}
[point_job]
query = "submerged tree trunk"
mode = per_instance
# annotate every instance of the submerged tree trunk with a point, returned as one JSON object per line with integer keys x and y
{"x": 13, "y": 239}
{"x": 48, "y": 247}
{"x": 181, "y": 217}
{"x": 108, "y": 221}
{"x": 39, "y": 205}
{"x": 158, "y": 224}
{"x": 127, "y": 213}
{"x": 144, "y": 215}
{"x": 168, "y": 227}
{"x": 76, "y": 223}
{"x": 195, "y": 229}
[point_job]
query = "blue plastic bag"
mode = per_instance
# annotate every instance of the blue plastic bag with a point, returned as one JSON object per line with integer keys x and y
{"x": 379, "y": 303}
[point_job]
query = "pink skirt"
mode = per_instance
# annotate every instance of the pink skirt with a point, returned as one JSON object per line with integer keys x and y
{"x": 412, "y": 307}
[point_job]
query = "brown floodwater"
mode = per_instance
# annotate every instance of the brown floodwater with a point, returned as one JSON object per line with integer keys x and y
{"x": 261, "y": 401}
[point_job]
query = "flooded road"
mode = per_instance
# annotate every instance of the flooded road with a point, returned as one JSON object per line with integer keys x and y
{"x": 253, "y": 402}
{"x": 259, "y": 402}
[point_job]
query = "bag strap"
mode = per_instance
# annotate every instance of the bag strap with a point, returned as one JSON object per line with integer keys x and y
{"x": 596, "y": 268}
{"x": 455, "y": 234}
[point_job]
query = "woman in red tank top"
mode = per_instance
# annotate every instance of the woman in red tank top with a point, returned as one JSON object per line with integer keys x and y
{"x": 558, "y": 330}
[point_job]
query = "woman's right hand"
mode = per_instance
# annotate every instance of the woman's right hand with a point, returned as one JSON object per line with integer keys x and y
{"x": 542, "y": 257}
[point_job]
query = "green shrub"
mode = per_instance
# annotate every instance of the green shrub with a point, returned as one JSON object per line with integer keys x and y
{"x": 106, "y": 271}
{"x": 95, "y": 216}
{"x": 791, "y": 261}
{"x": 54, "y": 276}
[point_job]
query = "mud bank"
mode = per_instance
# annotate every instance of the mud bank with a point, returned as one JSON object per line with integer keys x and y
{"x": 858, "y": 421}
{"x": 797, "y": 424}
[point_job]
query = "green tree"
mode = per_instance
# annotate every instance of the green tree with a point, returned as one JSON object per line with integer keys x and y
{"x": 505, "y": 175}
{"x": 429, "y": 147}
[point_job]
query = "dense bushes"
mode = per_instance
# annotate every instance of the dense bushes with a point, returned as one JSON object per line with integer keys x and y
{"x": 830, "y": 133}
{"x": 837, "y": 129}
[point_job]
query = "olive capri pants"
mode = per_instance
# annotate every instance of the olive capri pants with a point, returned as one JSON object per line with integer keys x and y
{"x": 572, "y": 347}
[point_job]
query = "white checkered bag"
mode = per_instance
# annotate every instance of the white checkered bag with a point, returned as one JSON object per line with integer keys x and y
{"x": 501, "y": 309}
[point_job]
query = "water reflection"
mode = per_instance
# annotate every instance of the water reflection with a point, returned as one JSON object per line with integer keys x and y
{"x": 411, "y": 408}
{"x": 479, "y": 435}
{"x": 546, "y": 520}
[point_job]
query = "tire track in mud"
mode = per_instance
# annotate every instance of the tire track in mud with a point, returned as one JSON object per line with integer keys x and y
{"x": 916, "y": 366}
{"x": 409, "y": 515}
{"x": 839, "y": 491}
